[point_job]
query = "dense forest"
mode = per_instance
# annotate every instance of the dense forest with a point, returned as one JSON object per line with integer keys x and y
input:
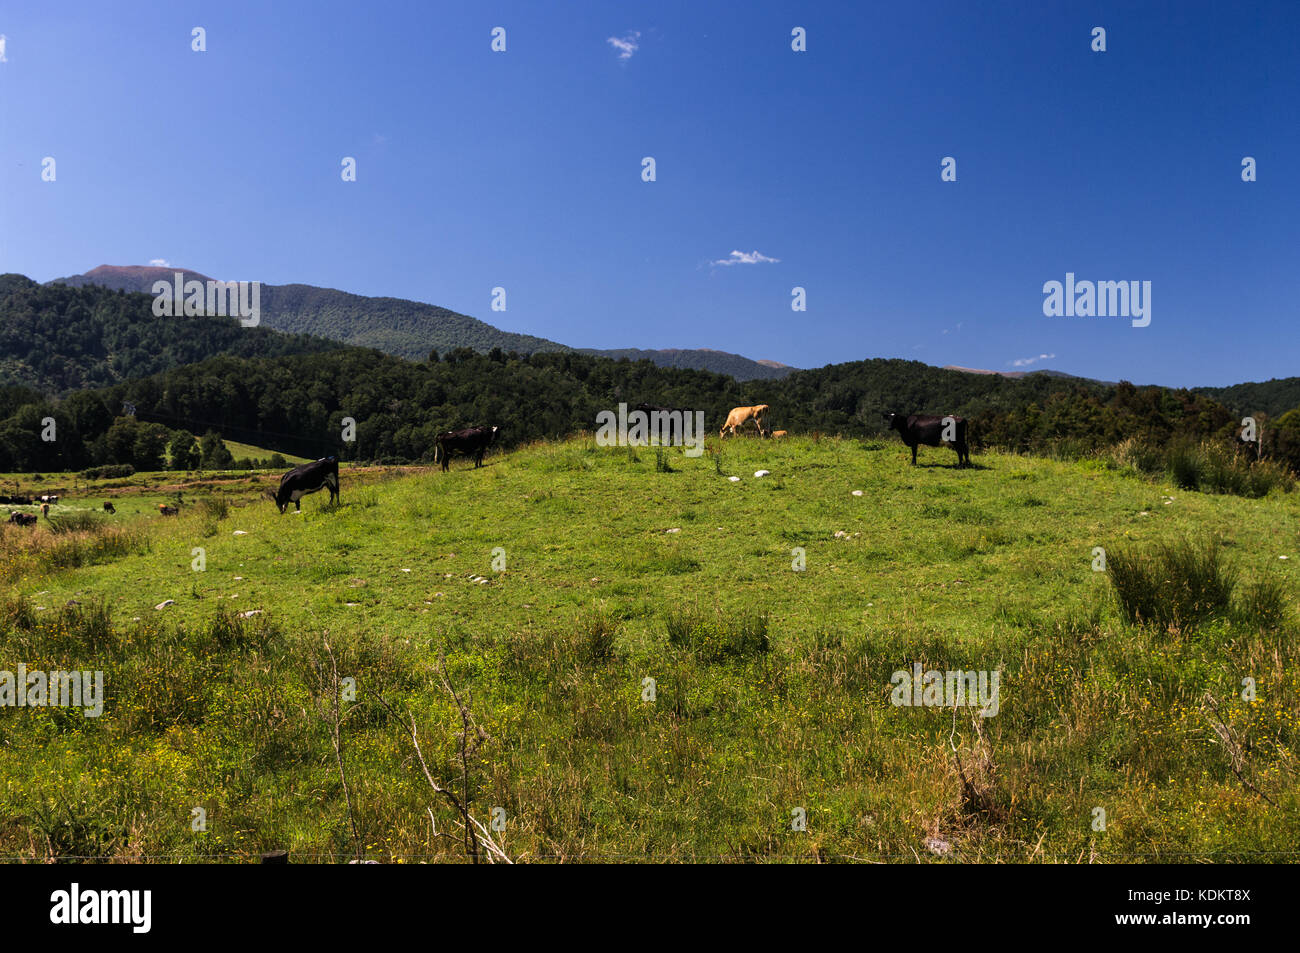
{"x": 58, "y": 339}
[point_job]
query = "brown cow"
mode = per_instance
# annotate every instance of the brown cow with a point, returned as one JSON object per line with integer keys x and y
{"x": 740, "y": 415}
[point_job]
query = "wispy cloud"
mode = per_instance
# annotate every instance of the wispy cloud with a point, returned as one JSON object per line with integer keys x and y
{"x": 746, "y": 258}
{"x": 627, "y": 44}
{"x": 1027, "y": 361}
{"x": 2, "y": 49}
{"x": 160, "y": 263}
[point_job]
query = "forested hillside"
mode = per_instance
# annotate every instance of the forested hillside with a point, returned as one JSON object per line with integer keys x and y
{"x": 409, "y": 329}
{"x": 58, "y": 339}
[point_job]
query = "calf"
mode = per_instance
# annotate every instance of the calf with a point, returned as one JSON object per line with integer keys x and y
{"x": 472, "y": 441}
{"x": 22, "y": 519}
{"x": 308, "y": 478}
{"x": 920, "y": 429}
{"x": 778, "y": 434}
{"x": 108, "y": 507}
{"x": 166, "y": 510}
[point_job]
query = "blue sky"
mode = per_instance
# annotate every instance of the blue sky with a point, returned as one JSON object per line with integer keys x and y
{"x": 522, "y": 169}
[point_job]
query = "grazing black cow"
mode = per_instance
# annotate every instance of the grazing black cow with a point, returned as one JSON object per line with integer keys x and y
{"x": 308, "y": 478}
{"x": 109, "y": 508}
{"x": 920, "y": 429}
{"x": 473, "y": 441}
{"x": 22, "y": 519}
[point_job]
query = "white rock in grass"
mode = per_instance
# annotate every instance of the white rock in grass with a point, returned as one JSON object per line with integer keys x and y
{"x": 1284, "y": 557}
{"x": 240, "y": 532}
{"x": 250, "y": 613}
{"x": 675, "y": 529}
{"x": 762, "y": 473}
{"x": 734, "y": 479}
{"x": 937, "y": 845}
{"x": 165, "y": 604}
{"x": 857, "y": 492}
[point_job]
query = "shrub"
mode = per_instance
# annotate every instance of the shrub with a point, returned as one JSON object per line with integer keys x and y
{"x": 1171, "y": 585}
{"x": 112, "y": 471}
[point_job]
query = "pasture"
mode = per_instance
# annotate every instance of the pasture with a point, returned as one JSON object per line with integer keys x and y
{"x": 561, "y": 576}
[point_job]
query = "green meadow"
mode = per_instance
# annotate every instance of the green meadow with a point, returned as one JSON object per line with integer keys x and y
{"x": 653, "y": 677}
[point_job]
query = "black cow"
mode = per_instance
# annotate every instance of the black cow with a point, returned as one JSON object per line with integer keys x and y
{"x": 308, "y": 478}
{"x": 22, "y": 519}
{"x": 472, "y": 441}
{"x": 109, "y": 508}
{"x": 920, "y": 429}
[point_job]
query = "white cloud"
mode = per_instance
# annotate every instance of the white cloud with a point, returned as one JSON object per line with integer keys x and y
{"x": 626, "y": 45}
{"x": 2, "y": 49}
{"x": 1026, "y": 361}
{"x": 160, "y": 263}
{"x": 746, "y": 258}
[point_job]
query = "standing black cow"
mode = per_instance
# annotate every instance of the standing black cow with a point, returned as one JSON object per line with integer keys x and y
{"x": 308, "y": 478}
{"x": 920, "y": 429}
{"x": 472, "y": 441}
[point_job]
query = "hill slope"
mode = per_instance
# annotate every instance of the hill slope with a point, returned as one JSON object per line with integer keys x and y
{"x": 57, "y": 339}
{"x": 410, "y": 329}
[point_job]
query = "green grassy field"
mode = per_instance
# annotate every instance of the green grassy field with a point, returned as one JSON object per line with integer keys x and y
{"x": 772, "y": 687}
{"x": 242, "y": 451}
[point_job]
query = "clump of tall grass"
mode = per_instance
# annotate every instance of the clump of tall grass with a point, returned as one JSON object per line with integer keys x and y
{"x": 1263, "y": 604}
{"x": 1171, "y": 584}
{"x": 597, "y": 630}
{"x": 69, "y": 542}
{"x": 716, "y": 638}
{"x": 1208, "y": 467}
{"x": 1142, "y": 455}
{"x": 214, "y": 507}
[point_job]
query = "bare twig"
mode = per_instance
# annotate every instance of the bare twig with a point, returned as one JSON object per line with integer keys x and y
{"x": 468, "y": 739}
{"x": 1236, "y": 751}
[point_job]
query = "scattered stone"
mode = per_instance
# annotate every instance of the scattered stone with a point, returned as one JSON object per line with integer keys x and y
{"x": 734, "y": 479}
{"x": 937, "y": 846}
{"x": 675, "y": 529}
{"x": 857, "y": 492}
{"x": 762, "y": 473}
{"x": 406, "y": 570}
{"x": 240, "y": 532}
{"x": 352, "y": 604}
{"x": 250, "y": 613}
{"x": 165, "y": 604}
